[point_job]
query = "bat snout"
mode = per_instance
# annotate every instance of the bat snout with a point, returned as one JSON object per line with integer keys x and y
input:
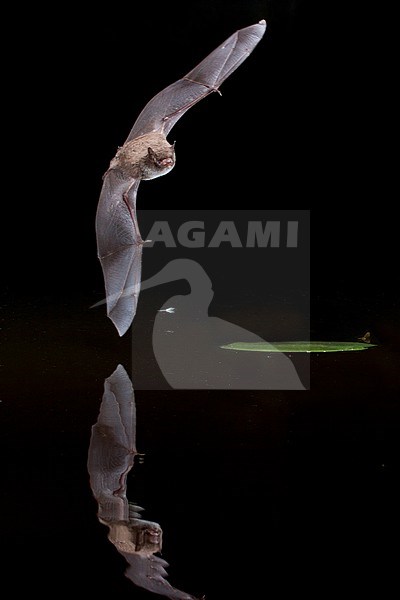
{"x": 167, "y": 162}
{"x": 157, "y": 167}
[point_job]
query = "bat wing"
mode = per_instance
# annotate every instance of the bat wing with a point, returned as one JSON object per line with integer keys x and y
{"x": 118, "y": 410}
{"x": 164, "y": 110}
{"x": 149, "y": 572}
{"x": 119, "y": 247}
{"x": 113, "y": 446}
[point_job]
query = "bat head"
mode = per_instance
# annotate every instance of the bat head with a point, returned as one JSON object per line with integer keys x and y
{"x": 159, "y": 161}
{"x": 136, "y": 536}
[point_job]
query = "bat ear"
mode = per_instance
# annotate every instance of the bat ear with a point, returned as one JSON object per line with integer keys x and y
{"x": 151, "y": 153}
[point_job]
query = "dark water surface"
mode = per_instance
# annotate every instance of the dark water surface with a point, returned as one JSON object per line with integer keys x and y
{"x": 257, "y": 492}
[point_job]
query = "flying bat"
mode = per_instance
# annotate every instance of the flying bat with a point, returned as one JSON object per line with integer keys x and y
{"x": 147, "y": 154}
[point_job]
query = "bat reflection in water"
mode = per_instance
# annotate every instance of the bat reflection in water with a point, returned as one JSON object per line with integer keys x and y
{"x": 147, "y": 154}
{"x": 111, "y": 456}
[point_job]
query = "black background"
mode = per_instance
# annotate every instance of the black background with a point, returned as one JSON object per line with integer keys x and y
{"x": 302, "y": 123}
{"x": 261, "y": 494}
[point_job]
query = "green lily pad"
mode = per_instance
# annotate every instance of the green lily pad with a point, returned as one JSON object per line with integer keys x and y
{"x": 289, "y": 347}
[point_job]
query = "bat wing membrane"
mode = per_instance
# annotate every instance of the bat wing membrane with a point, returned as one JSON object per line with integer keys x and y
{"x": 164, "y": 110}
{"x": 149, "y": 572}
{"x": 119, "y": 248}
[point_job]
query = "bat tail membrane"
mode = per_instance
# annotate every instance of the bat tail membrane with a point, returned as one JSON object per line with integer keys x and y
{"x": 164, "y": 110}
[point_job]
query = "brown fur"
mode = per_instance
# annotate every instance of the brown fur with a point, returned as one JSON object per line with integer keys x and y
{"x": 133, "y": 157}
